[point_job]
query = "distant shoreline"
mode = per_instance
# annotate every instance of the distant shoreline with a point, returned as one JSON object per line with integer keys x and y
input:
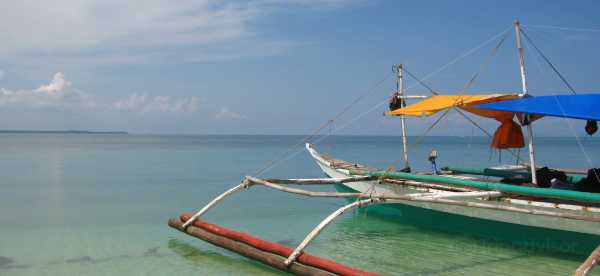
{"x": 61, "y": 132}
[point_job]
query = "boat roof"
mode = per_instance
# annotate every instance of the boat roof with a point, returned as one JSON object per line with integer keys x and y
{"x": 434, "y": 104}
{"x": 580, "y": 106}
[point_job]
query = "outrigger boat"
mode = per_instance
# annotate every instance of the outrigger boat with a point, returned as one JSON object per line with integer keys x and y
{"x": 542, "y": 208}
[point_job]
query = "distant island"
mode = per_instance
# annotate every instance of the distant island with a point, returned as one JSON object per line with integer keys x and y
{"x": 62, "y": 132}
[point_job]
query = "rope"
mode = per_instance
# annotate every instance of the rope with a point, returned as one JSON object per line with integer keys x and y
{"x": 421, "y": 82}
{"x": 536, "y": 58}
{"x": 290, "y": 152}
{"x": 548, "y": 61}
{"x": 581, "y": 147}
{"x": 486, "y": 64}
{"x": 563, "y": 28}
{"x": 483, "y": 68}
{"x": 284, "y": 156}
{"x": 472, "y": 80}
{"x": 439, "y": 119}
{"x": 473, "y": 122}
{"x": 467, "y": 53}
{"x": 579, "y": 143}
{"x": 469, "y": 84}
{"x": 377, "y": 106}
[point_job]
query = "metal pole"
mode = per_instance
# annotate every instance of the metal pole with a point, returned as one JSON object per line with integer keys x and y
{"x": 400, "y": 89}
{"x": 524, "y": 86}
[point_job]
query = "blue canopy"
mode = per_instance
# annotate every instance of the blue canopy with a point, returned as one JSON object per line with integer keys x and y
{"x": 580, "y": 106}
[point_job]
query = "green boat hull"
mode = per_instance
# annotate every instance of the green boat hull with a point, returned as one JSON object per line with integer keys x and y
{"x": 529, "y": 237}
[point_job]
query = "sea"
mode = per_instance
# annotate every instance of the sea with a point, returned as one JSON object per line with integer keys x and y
{"x": 98, "y": 204}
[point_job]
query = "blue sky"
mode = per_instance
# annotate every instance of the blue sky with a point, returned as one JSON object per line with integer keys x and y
{"x": 272, "y": 67}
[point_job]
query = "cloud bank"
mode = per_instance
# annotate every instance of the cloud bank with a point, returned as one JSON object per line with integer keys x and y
{"x": 159, "y": 31}
{"x": 59, "y": 94}
{"x": 225, "y": 113}
{"x": 143, "y": 103}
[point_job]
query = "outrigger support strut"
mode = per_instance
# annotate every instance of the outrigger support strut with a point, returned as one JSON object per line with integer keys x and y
{"x": 364, "y": 199}
{"x": 245, "y": 184}
{"x": 313, "y": 234}
{"x": 249, "y": 181}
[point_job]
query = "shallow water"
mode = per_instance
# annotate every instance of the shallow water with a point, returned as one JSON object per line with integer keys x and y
{"x": 98, "y": 205}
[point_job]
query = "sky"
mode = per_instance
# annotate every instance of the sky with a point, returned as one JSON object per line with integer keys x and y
{"x": 277, "y": 67}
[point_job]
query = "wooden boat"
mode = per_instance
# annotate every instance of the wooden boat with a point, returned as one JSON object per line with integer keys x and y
{"x": 526, "y": 217}
{"x": 450, "y": 199}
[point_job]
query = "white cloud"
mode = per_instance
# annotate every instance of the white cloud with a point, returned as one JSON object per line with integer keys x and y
{"x": 55, "y": 94}
{"x": 58, "y": 84}
{"x": 225, "y": 113}
{"x": 59, "y": 94}
{"x": 144, "y": 103}
{"x": 105, "y": 31}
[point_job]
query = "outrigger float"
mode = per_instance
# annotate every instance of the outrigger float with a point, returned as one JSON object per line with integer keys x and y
{"x": 524, "y": 204}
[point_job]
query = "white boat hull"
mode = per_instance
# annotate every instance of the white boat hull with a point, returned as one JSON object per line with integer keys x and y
{"x": 555, "y": 223}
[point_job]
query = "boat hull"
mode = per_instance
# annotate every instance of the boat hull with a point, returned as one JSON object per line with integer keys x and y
{"x": 528, "y": 237}
{"x": 524, "y": 230}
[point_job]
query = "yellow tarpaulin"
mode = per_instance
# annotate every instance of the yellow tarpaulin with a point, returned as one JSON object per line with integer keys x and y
{"x": 508, "y": 134}
{"x": 434, "y": 104}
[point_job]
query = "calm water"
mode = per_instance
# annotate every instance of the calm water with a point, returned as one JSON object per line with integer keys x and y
{"x": 98, "y": 205}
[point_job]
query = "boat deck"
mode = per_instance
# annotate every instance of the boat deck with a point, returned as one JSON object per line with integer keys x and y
{"x": 360, "y": 168}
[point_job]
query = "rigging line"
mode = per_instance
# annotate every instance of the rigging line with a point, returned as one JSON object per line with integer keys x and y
{"x": 420, "y": 82}
{"x": 421, "y": 137}
{"x": 581, "y": 147}
{"x": 472, "y": 80}
{"x": 375, "y": 107}
{"x": 473, "y": 122}
{"x": 516, "y": 155}
{"x": 486, "y": 64}
{"x": 323, "y": 137}
{"x": 293, "y": 153}
{"x": 542, "y": 34}
{"x": 465, "y": 54}
{"x": 273, "y": 162}
{"x": 361, "y": 97}
{"x": 548, "y": 61}
{"x": 443, "y": 67}
{"x": 483, "y": 67}
{"x": 320, "y": 139}
{"x": 493, "y": 53}
{"x": 469, "y": 84}
{"x": 536, "y": 58}
{"x": 439, "y": 119}
{"x": 562, "y": 28}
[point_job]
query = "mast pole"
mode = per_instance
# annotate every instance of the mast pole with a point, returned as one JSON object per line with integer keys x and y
{"x": 400, "y": 89}
{"x": 524, "y": 86}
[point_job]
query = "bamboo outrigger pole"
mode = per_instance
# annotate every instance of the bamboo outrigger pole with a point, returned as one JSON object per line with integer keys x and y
{"x": 400, "y": 89}
{"x": 524, "y": 86}
{"x": 589, "y": 263}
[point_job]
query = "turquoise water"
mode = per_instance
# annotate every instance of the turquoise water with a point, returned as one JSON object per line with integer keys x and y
{"x": 98, "y": 205}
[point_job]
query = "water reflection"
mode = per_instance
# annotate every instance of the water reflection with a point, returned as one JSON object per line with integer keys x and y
{"x": 217, "y": 261}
